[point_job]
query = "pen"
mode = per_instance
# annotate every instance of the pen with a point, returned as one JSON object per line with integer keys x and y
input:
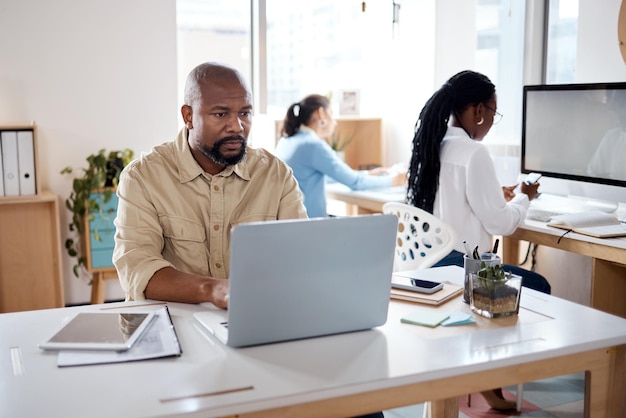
{"x": 495, "y": 246}
{"x": 467, "y": 249}
{"x": 475, "y": 253}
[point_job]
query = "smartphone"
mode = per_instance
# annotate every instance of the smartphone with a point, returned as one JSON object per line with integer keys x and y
{"x": 532, "y": 178}
{"x": 415, "y": 285}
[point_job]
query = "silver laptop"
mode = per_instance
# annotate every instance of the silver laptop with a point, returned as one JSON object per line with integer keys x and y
{"x": 296, "y": 279}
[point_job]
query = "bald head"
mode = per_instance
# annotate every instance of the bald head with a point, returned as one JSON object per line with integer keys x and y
{"x": 210, "y": 73}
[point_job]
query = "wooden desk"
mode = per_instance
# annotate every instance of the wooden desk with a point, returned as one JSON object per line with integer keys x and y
{"x": 343, "y": 375}
{"x": 608, "y": 278}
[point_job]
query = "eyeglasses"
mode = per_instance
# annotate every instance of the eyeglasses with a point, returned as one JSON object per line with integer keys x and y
{"x": 497, "y": 116}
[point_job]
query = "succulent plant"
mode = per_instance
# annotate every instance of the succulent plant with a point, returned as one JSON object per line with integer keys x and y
{"x": 492, "y": 277}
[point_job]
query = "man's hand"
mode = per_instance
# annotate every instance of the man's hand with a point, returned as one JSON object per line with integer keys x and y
{"x": 219, "y": 290}
{"x": 169, "y": 284}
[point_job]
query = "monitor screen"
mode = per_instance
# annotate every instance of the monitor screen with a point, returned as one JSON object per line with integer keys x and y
{"x": 575, "y": 132}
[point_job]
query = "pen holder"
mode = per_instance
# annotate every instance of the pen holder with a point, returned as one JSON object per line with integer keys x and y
{"x": 495, "y": 298}
{"x": 472, "y": 265}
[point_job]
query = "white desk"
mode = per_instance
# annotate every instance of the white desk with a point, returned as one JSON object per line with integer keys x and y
{"x": 365, "y": 201}
{"x": 343, "y": 375}
{"x": 608, "y": 255}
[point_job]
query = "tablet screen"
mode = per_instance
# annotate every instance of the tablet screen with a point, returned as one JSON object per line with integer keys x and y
{"x": 99, "y": 331}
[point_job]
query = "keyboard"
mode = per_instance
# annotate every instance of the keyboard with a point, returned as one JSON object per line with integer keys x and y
{"x": 543, "y": 215}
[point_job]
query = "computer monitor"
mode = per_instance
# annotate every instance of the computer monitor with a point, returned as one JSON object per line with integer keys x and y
{"x": 575, "y": 132}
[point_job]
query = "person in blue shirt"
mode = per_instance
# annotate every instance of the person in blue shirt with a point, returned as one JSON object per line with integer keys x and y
{"x": 303, "y": 148}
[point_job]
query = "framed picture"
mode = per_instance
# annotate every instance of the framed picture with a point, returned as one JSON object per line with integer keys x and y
{"x": 349, "y": 102}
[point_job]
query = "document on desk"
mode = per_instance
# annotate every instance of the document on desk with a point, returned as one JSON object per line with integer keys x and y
{"x": 158, "y": 341}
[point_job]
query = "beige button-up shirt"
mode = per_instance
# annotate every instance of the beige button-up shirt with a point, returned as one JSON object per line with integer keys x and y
{"x": 173, "y": 214}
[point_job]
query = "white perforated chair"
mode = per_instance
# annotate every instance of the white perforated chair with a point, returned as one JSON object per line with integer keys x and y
{"x": 422, "y": 239}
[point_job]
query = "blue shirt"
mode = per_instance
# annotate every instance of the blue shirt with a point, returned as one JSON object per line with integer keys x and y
{"x": 312, "y": 159}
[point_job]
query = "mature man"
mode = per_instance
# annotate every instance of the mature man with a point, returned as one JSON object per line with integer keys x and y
{"x": 178, "y": 202}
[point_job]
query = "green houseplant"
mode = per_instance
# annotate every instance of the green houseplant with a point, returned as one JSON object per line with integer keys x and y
{"x": 339, "y": 141}
{"x": 101, "y": 176}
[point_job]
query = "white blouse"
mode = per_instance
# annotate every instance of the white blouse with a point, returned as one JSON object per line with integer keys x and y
{"x": 470, "y": 198}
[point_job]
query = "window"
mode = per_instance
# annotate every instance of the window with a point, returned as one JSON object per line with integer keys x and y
{"x": 562, "y": 35}
{"x": 499, "y": 55}
{"x": 212, "y": 30}
{"x": 319, "y": 47}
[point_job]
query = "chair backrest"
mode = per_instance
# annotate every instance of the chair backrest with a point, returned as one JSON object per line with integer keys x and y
{"x": 422, "y": 239}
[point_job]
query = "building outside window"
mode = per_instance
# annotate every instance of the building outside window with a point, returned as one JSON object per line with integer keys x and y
{"x": 562, "y": 34}
{"x": 213, "y": 30}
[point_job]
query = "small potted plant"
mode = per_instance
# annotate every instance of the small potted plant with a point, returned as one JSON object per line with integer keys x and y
{"x": 338, "y": 142}
{"x": 101, "y": 177}
{"x": 494, "y": 292}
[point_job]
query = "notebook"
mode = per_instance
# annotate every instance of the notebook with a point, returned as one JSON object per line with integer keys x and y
{"x": 595, "y": 224}
{"x": 294, "y": 279}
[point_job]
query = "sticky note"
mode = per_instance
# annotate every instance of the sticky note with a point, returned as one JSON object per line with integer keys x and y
{"x": 458, "y": 318}
{"x": 425, "y": 317}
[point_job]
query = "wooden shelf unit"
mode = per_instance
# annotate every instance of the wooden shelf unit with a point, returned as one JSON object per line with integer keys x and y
{"x": 30, "y": 253}
{"x": 366, "y": 147}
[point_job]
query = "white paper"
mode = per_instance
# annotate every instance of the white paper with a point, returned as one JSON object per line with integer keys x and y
{"x": 157, "y": 341}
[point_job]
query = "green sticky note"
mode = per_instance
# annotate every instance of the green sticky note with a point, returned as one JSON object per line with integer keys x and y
{"x": 425, "y": 317}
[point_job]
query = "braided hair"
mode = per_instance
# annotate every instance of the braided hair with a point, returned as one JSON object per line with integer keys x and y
{"x": 464, "y": 89}
{"x": 300, "y": 113}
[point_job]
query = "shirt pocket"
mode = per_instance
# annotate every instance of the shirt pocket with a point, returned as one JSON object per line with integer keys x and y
{"x": 185, "y": 244}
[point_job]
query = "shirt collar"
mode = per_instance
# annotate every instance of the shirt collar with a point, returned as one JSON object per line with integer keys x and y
{"x": 304, "y": 128}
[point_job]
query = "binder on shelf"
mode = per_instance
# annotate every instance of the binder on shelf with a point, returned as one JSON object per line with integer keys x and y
{"x": 26, "y": 162}
{"x": 10, "y": 163}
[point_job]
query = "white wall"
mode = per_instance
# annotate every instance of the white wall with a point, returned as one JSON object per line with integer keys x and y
{"x": 599, "y": 58}
{"x": 91, "y": 74}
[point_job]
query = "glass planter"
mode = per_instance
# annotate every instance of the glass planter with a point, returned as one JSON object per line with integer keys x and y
{"x": 495, "y": 298}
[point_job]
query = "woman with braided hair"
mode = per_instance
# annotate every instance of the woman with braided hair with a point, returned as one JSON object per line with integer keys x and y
{"x": 452, "y": 176}
{"x": 312, "y": 159}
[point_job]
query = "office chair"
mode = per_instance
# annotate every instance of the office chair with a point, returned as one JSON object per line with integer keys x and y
{"x": 422, "y": 240}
